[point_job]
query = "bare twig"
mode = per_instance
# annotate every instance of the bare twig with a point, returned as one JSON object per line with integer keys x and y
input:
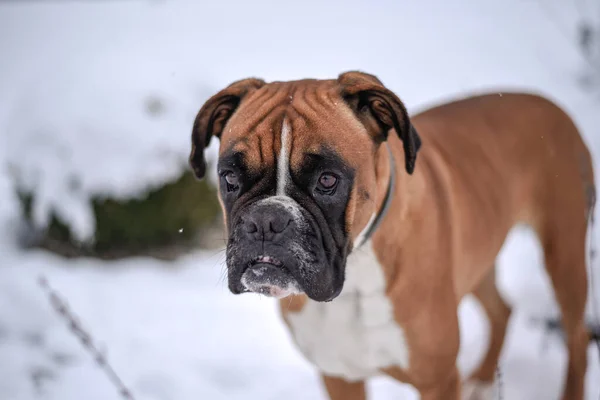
{"x": 499, "y": 383}
{"x": 84, "y": 337}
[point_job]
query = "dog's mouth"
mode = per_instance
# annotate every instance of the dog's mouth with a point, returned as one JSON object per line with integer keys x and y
{"x": 267, "y": 260}
{"x": 269, "y": 276}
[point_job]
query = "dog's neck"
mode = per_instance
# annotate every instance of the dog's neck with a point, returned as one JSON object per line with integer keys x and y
{"x": 383, "y": 203}
{"x": 407, "y": 194}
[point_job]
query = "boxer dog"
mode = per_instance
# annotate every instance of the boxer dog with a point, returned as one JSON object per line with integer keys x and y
{"x": 373, "y": 225}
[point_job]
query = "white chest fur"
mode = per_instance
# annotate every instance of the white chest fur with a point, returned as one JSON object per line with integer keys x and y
{"x": 354, "y": 335}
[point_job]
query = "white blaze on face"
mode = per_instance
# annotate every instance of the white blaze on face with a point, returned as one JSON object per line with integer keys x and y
{"x": 283, "y": 162}
{"x": 286, "y": 203}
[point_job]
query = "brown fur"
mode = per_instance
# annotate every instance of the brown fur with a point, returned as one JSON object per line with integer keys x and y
{"x": 486, "y": 163}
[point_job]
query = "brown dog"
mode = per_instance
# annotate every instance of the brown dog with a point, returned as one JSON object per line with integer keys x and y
{"x": 377, "y": 232}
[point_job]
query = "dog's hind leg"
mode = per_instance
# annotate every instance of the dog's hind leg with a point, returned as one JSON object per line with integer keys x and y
{"x": 341, "y": 389}
{"x": 481, "y": 384}
{"x": 563, "y": 237}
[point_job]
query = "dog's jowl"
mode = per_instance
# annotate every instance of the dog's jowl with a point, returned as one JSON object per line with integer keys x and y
{"x": 372, "y": 226}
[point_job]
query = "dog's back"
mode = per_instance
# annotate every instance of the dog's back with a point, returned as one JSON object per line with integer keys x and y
{"x": 524, "y": 160}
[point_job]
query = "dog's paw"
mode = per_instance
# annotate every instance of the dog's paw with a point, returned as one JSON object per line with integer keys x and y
{"x": 477, "y": 390}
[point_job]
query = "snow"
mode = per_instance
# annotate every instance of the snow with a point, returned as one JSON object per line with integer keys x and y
{"x": 76, "y": 81}
{"x": 58, "y": 145}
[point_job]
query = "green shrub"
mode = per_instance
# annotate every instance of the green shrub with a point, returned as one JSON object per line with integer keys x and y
{"x": 177, "y": 216}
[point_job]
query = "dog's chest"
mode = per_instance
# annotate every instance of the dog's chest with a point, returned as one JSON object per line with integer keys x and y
{"x": 354, "y": 335}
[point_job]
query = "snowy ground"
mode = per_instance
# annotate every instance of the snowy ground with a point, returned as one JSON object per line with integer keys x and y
{"x": 75, "y": 76}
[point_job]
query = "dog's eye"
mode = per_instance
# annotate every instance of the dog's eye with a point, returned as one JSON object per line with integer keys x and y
{"x": 231, "y": 178}
{"x": 327, "y": 183}
{"x": 232, "y": 181}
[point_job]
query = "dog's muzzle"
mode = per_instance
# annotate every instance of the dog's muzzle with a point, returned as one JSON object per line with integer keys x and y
{"x": 277, "y": 248}
{"x": 265, "y": 251}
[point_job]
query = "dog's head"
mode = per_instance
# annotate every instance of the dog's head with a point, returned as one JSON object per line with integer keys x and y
{"x": 297, "y": 175}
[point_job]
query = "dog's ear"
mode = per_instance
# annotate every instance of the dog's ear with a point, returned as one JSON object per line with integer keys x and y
{"x": 212, "y": 117}
{"x": 380, "y": 110}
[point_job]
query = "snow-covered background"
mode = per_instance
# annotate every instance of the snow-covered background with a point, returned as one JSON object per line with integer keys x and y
{"x": 76, "y": 82}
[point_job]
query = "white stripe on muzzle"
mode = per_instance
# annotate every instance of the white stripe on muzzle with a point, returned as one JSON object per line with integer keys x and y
{"x": 283, "y": 162}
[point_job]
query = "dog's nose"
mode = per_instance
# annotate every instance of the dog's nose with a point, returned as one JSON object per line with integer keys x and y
{"x": 266, "y": 226}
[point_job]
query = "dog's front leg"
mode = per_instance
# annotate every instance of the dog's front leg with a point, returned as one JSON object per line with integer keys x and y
{"x": 341, "y": 389}
{"x": 431, "y": 331}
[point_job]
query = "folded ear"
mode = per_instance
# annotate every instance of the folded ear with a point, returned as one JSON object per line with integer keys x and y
{"x": 380, "y": 110}
{"x": 212, "y": 117}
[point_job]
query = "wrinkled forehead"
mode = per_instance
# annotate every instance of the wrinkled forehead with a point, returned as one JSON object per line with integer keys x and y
{"x": 303, "y": 117}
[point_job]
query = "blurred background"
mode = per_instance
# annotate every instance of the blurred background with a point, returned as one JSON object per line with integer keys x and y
{"x": 97, "y": 100}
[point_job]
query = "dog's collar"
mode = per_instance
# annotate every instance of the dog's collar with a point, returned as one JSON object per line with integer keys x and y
{"x": 376, "y": 219}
